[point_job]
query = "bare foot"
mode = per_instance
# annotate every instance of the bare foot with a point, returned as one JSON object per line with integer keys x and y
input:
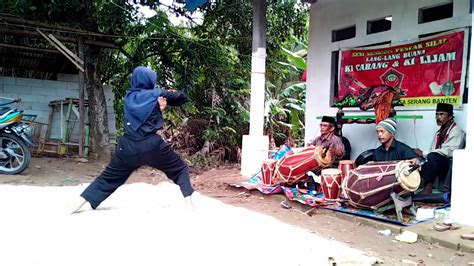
{"x": 81, "y": 203}
{"x": 427, "y": 190}
{"x": 189, "y": 203}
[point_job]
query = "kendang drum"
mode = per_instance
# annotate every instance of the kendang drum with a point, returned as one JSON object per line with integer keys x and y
{"x": 268, "y": 172}
{"x": 331, "y": 179}
{"x": 293, "y": 166}
{"x": 346, "y": 166}
{"x": 369, "y": 185}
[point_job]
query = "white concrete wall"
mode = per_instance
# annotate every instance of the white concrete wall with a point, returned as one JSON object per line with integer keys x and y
{"x": 35, "y": 94}
{"x": 329, "y": 15}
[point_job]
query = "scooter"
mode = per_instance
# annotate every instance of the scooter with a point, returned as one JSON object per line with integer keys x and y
{"x": 14, "y": 139}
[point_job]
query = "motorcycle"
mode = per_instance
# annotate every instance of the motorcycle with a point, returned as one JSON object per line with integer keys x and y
{"x": 14, "y": 139}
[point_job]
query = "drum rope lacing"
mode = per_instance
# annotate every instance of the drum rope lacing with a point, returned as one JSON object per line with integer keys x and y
{"x": 383, "y": 173}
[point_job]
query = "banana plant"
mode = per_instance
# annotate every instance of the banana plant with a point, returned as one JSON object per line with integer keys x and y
{"x": 295, "y": 55}
{"x": 285, "y": 101}
{"x": 285, "y": 107}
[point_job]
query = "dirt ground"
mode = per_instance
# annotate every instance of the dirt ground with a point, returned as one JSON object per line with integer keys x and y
{"x": 47, "y": 171}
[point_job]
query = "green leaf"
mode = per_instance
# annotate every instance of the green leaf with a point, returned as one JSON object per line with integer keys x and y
{"x": 295, "y": 107}
{"x": 288, "y": 65}
{"x": 294, "y": 89}
{"x": 295, "y": 59}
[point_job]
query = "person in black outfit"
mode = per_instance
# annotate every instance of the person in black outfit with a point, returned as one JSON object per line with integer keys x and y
{"x": 391, "y": 149}
{"x": 141, "y": 145}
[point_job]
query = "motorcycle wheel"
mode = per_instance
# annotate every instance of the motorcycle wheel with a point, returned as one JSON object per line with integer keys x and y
{"x": 19, "y": 155}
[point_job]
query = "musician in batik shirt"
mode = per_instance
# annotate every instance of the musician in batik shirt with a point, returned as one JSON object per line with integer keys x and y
{"x": 329, "y": 139}
{"x": 448, "y": 138}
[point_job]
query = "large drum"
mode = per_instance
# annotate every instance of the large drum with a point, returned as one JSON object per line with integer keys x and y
{"x": 369, "y": 185}
{"x": 293, "y": 167}
{"x": 331, "y": 179}
{"x": 268, "y": 172}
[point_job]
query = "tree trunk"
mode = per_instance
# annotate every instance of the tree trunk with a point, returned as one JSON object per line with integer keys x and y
{"x": 99, "y": 129}
{"x": 97, "y": 107}
{"x": 205, "y": 150}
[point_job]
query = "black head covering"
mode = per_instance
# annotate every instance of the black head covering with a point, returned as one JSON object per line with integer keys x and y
{"x": 140, "y": 100}
{"x": 329, "y": 119}
{"x": 444, "y": 107}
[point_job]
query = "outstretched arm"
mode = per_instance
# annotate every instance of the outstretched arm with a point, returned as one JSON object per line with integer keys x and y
{"x": 174, "y": 98}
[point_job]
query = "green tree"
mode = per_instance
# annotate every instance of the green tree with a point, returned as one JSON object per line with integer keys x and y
{"x": 89, "y": 21}
{"x": 210, "y": 62}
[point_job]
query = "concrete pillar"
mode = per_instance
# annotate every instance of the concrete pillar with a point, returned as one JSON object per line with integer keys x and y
{"x": 462, "y": 183}
{"x": 461, "y": 187}
{"x": 255, "y": 145}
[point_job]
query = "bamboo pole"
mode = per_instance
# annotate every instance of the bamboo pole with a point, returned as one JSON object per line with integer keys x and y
{"x": 61, "y": 50}
{"x": 82, "y": 85}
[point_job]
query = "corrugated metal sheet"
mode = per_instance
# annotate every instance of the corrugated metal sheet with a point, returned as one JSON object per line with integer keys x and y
{"x": 42, "y": 60}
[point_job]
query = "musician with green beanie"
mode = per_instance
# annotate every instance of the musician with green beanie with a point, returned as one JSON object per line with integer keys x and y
{"x": 391, "y": 149}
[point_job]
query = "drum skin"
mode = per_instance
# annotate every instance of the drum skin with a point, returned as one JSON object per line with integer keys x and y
{"x": 365, "y": 157}
{"x": 369, "y": 186}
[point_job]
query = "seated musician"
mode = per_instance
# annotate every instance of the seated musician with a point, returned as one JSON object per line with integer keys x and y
{"x": 448, "y": 138}
{"x": 391, "y": 149}
{"x": 329, "y": 139}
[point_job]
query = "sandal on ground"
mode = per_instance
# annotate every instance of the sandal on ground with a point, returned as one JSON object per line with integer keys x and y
{"x": 468, "y": 236}
{"x": 441, "y": 227}
{"x": 454, "y": 227}
{"x": 284, "y": 204}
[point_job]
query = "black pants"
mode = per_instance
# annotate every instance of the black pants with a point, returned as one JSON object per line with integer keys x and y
{"x": 436, "y": 166}
{"x": 129, "y": 156}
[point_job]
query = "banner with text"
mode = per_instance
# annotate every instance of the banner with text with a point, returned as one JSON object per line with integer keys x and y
{"x": 423, "y": 73}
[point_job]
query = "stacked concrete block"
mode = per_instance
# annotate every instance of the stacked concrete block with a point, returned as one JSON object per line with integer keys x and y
{"x": 35, "y": 95}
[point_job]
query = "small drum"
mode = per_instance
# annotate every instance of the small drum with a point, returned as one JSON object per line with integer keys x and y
{"x": 293, "y": 166}
{"x": 268, "y": 172}
{"x": 346, "y": 166}
{"x": 369, "y": 185}
{"x": 331, "y": 179}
